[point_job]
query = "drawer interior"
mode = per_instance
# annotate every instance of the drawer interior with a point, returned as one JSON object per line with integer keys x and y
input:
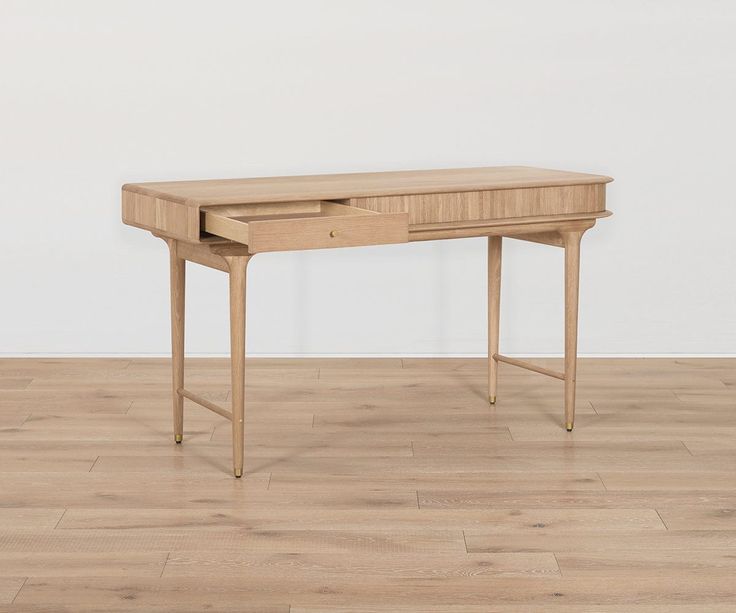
{"x": 301, "y": 225}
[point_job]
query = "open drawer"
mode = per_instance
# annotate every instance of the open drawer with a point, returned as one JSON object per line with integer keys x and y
{"x": 317, "y": 224}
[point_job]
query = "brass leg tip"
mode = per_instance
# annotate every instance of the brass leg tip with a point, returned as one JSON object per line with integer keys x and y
{"x": 492, "y": 399}
{"x": 178, "y": 438}
{"x": 569, "y": 427}
{"x": 238, "y": 473}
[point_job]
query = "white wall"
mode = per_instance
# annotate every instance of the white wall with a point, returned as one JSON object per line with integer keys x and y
{"x": 94, "y": 94}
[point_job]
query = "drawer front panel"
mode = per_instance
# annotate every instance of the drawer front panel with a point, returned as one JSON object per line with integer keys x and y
{"x": 325, "y": 232}
{"x": 490, "y": 205}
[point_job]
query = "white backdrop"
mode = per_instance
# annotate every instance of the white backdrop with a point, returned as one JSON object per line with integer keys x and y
{"x": 94, "y": 94}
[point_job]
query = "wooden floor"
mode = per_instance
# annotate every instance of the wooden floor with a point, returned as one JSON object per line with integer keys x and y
{"x": 372, "y": 486}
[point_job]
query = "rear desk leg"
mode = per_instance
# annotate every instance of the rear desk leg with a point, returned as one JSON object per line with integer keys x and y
{"x": 237, "y": 266}
{"x": 178, "y": 277}
{"x": 572, "y": 284}
{"x": 494, "y": 311}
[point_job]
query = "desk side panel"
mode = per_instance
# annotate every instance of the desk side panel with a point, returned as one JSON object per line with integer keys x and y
{"x": 490, "y": 205}
{"x": 163, "y": 217}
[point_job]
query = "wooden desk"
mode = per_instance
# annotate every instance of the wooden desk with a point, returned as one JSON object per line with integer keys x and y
{"x": 224, "y": 223}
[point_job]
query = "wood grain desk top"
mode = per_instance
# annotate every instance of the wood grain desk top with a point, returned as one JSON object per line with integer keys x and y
{"x": 355, "y": 185}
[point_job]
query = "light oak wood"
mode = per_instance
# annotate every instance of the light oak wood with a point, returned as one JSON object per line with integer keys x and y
{"x": 353, "y": 185}
{"x": 409, "y": 502}
{"x": 174, "y": 209}
{"x": 490, "y": 205}
{"x": 177, "y": 288}
{"x": 161, "y": 215}
{"x": 238, "y": 266}
{"x": 223, "y": 223}
{"x": 529, "y": 366}
{"x": 515, "y": 227}
{"x": 572, "y": 284}
{"x": 494, "y": 312}
{"x": 331, "y": 225}
{"x": 203, "y": 402}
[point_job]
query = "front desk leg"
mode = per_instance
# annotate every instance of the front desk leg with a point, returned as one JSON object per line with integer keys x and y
{"x": 494, "y": 312}
{"x": 177, "y": 269}
{"x": 237, "y": 267}
{"x": 572, "y": 283}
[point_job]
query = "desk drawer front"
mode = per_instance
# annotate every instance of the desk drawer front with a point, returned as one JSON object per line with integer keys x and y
{"x": 307, "y": 225}
{"x": 490, "y": 205}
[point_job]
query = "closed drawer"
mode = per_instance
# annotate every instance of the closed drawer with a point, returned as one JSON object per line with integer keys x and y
{"x": 288, "y": 226}
{"x": 491, "y": 205}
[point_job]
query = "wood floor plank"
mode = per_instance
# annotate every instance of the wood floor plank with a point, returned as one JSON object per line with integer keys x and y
{"x": 56, "y": 404}
{"x": 135, "y": 490}
{"x": 592, "y": 429}
{"x": 98, "y": 427}
{"x": 701, "y": 481}
{"x": 77, "y": 564}
{"x": 519, "y": 481}
{"x": 698, "y": 517}
{"x": 624, "y": 565}
{"x": 482, "y": 539}
{"x": 219, "y": 531}
{"x": 260, "y": 516}
{"x": 316, "y": 566}
{"x": 244, "y": 496}
{"x": 23, "y": 517}
{"x": 563, "y": 499}
{"x": 335, "y": 590}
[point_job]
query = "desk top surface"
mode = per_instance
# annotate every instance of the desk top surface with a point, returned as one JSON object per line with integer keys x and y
{"x": 357, "y": 185}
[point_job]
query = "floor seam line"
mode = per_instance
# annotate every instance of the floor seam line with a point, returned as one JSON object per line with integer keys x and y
{"x": 166, "y": 561}
{"x": 58, "y": 522}
{"x": 597, "y": 474}
{"x": 559, "y": 568}
{"x": 25, "y": 580}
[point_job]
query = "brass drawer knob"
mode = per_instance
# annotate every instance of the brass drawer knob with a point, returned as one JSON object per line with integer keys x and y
{"x": 333, "y": 233}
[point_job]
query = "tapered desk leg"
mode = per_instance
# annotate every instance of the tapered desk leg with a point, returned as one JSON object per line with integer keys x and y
{"x": 237, "y": 266}
{"x": 178, "y": 278}
{"x": 572, "y": 284}
{"x": 494, "y": 312}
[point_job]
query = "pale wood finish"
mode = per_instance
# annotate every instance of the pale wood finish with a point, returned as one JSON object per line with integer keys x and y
{"x": 490, "y": 205}
{"x": 543, "y": 238}
{"x": 494, "y": 312}
{"x": 160, "y": 215}
{"x": 223, "y": 223}
{"x": 572, "y": 285}
{"x": 528, "y": 366}
{"x": 205, "y": 255}
{"x": 174, "y": 208}
{"x": 316, "y": 226}
{"x": 207, "y": 404}
{"x": 354, "y": 185}
{"x": 177, "y": 288}
{"x": 516, "y": 228}
{"x": 238, "y": 266}
{"x": 400, "y": 502}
